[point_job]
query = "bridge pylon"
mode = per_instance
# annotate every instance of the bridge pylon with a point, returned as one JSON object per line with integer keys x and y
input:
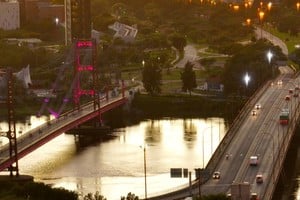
{"x": 11, "y": 133}
{"x": 85, "y": 63}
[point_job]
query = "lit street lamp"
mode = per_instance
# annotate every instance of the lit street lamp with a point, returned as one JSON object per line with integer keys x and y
{"x": 247, "y": 79}
{"x": 270, "y": 56}
{"x": 56, "y": 20}
{"x": 269, "y": 6}
{"x": 261, "y": 15}
{"x": 143, "y": 63}
{"x": 248, "y": 21}
{"x": 298, "y": 6}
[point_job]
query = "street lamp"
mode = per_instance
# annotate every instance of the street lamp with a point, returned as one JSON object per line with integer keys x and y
{"x": 211, "y": 141}
{"x": 56, "y": 20}
{"x": 248, "y": 21}
{"x": 298, "y": 6}
{"x": 145, "y": 173}
{"x": 143, "y": 63}
{"x": 261, "y": 15}
{"x": 236, "y": 7}
{"x": 269, "y": 6}
{"x": 247, "y": 79}
{"x": 269, "y": 57}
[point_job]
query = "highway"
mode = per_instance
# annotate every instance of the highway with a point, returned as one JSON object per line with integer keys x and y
{"x": 258, "y": 136}
{"x": 261, "y": 135}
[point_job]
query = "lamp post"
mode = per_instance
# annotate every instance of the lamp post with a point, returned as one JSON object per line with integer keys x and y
{"x": 247, "y": 79}
{"x": 270, "y": 56}
{"x": 143, "y": 63}
{"x": 145, "y": 168}
{"x": 56, "y": 20}
{"x": 269, "y": 6}
{"x": 211, "y": 128}
{"x": 261, "y": 15}
{"x": 298, "y": 6}
{"x": 248, "y": 21}
{"x": 198, "y": 171}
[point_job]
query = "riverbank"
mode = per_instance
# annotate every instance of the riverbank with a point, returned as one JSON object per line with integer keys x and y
{"x": 145, "y": 107}
{"x": 184, "y": 106}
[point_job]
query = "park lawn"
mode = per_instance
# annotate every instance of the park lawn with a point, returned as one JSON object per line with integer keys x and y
{"x": 289, "y": 40}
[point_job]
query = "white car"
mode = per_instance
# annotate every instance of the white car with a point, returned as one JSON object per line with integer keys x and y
{"x": 259, "y": 178}
{"x": 254, "y": 113}
{"x": 216, "y": 175}
{"x": 258, "y": 106}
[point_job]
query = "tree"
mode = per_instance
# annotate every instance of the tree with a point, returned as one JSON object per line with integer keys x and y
{"x": 152, "y": 78}
{"x": 130, "y": 196}
{"x": 295, "y": 56}
{"x": 178, "y": 42}
{"x": 251, "y": 59}
{"x": 188, "y": 77}
{"x": 96, "y": 196}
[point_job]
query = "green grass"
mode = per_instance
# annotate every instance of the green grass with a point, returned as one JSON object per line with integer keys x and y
{"x": 289, "y": 40}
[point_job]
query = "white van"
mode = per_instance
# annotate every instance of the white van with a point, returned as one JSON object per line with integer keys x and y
{"x": 253, "y": 160}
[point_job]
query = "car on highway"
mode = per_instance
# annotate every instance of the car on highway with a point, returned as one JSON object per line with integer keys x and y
{"x": 258, "y": 106}
{"x": 253, "y": 113}
{"x": 297, "y": 88}
{"x": 259, "y": 178}
{"x": 216, "y": 175}
{"x": 253, "y": 160}
{"x": 296, "y": 95}
{"x": 279, "y": 82}
{"x": 253, "y": 196}
{"x": 291, "y": 91}
{"x": 287, "y": 97}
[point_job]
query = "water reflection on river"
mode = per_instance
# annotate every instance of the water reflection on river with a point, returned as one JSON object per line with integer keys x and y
{"x": 115, "y": 167}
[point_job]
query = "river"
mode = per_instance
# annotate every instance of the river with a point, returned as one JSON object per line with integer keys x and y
{"x": 115, "y": 166}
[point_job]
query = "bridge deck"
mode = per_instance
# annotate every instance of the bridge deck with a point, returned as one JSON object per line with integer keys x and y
{"x": 31, "y": 140}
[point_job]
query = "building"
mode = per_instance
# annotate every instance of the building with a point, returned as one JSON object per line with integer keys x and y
{"x": 9, "y": 15}
{"x": 78, "y": 20}
{"x": 123, "y": 31}
{"x": 213, "y": 84}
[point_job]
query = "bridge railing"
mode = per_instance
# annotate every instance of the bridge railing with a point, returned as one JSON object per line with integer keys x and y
{"x": 221, "y": 149}
{"x": 38, "y": 135}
